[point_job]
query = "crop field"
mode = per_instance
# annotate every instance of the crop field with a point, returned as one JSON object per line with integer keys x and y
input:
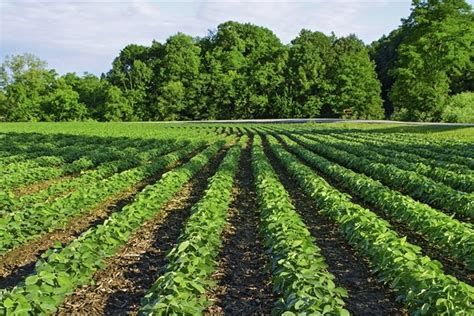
{"x": 236, "y": 219}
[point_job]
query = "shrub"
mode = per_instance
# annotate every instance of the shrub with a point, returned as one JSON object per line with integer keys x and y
{"x": 460, "y": 108}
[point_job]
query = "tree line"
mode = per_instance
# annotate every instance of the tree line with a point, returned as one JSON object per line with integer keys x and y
{"x": 423, "y": 70}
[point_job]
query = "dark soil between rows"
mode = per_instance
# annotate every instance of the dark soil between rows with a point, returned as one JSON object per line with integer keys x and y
{"x": 18, "y": 263}
{"x": 131, "y": 272}
{"x": 41, "y": 185}
{"x": 449, "y": 265}
{"x": 243, "y": 283}
{"x": 402, "y": 190}
{"x": 351, "y": 270}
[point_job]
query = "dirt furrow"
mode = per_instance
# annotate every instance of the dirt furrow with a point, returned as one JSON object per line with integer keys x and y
{"x": 119, "y": 287}
{"x": 16, "y": 264}
{"x": 450, "y": 265}
{"x": 352, "y": 271}
{"x": 244, "y": 286}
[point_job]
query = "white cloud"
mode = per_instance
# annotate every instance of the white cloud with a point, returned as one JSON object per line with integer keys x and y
{"x": 85, "y": 35}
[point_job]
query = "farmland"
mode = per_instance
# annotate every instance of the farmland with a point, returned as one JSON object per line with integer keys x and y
{"x": 238, "y": 219}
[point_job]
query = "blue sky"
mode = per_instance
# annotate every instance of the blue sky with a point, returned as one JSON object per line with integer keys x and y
{"x": 85, "y": 35}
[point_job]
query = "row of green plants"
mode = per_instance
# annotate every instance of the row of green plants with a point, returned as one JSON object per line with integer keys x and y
{"x": 27, "y": 175}
{"x": 409, "y": 182}
{"x": 393, "y": 143}
{"x": 14, "y": 145}
{"x": 9, "y": 199}
{"x": 20, "y": 227}
{"x": 447, "y": 167}
{"x": 63, "y": 269}
{"x": 299, "y": 272}
{"x": 19, "y": 147}
{"x": 77, "y": 158}
{"x": 450, "y": 236}
{"x": 451, "y": 147}
{"x": 42, "y": 161}
{"x": 182, "y": 287}
{"x": 417, "y": 280}
{"x": 66, "y": 147}
{"x": 130, "y": 157}
{"x": 415, "y": 145}
{"x": 462, "y": 182}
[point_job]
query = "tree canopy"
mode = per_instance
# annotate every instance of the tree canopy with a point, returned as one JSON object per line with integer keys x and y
{"x": 420, "y": 71}
{"x": 428, "y": 59}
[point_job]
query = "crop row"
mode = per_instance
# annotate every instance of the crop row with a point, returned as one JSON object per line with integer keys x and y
{"x": 412, "y": 155}
{"x": 437, "y": 166}
{"x": 419, "y": 281}
{"x": 68, "y": 148}
{"x": 20, "y": 227}
{"x": 444, "y": 147}
{"x": 73, "y": 153}
{"x": 419, "y": 187}
{"x": 299, "y": 271}
{"x": 181, "y": 289}
{"x": 130, "y": 157}
{"x": 452, "y": 147}
{"x": 82, "y": 158}
{"x": 67, "y": 151}
{"x": 462, "y": 182}
{"x": 61, "y": 270}
{"x": 409, "y": 156}
{"x": 451, "y": 236}
{"x": 393, "y": 143}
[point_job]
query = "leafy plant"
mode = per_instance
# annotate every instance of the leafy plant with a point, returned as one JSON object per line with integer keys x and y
{"x": 300, "y": 275}
{"x": 181, "y": 289}
{"x": 419, "y": 281}
{"x": 62, "y": 269}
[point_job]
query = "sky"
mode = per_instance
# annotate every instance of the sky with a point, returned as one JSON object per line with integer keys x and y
{"x": 85, "y": 36}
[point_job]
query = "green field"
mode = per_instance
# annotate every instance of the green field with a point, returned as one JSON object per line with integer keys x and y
{"x": 238, "y": 219}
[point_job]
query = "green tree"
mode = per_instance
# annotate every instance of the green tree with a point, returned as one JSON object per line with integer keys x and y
{"x": 384, "y": 53}
{"x": 92, "y": 92}
{"x": 246, "y": 66}
{"x": 117, "y": 107}
{"x": 24, "y": 81}
{"x": 179, "y": 79}
{"x": 460, "y": 108}
{"x": 62, "y": 104}
{"x": 132, "y": 72}
{"x": 438, "y": 49}
{"x": 310, "y": 56}
{"x": 354, "y": 81}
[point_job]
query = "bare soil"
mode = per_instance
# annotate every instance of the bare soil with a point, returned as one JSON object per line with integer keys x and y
{"x": 119, "y": 287}
{"x": 18, "y": 263}
{"x": 244, "y": 285}
{"x": 351, "y": 270}
{"x": 38, "y": 186}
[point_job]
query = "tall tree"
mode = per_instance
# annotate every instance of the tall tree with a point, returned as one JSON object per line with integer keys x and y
{"x": 438, "y": 49}
{"x": 25, "y": 81}
{"x": 178, "y": 79}
{"x": 62, "y": 104}
{"x": 309, "y": 86}
{"x": 354, "y": 81}
{"x": 246, "y": 65}
{"x": 384, "y": 53}
{"x": 92, "y": 92}
{"x": 117, "y": 107}
{"x": 133, "y": 74}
